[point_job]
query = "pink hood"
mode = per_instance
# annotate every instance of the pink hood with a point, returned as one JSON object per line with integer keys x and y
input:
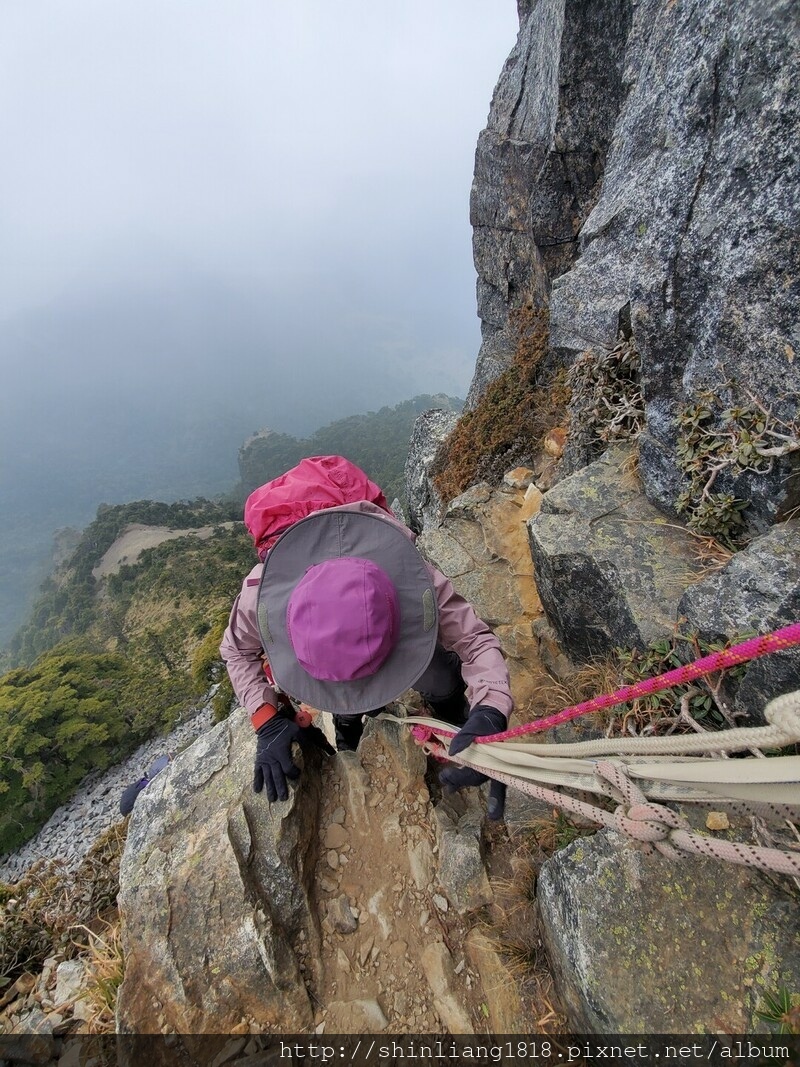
{"x": 314, "y": 484}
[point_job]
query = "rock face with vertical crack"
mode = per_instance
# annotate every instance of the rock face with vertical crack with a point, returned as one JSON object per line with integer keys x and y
{"x": 317, "y": 912}
{"x": 212, "y": 895}
{"x": 639, "y": 172}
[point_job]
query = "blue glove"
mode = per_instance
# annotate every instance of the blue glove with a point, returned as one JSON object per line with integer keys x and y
{"x": 274, "y": 763}
{"x": 483, "y": 721}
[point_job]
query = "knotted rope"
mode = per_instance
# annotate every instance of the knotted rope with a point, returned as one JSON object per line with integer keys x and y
{"x": 653, "y": 825}
{"x": 767, "y": 787}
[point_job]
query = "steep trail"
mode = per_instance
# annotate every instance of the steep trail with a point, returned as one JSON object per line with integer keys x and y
{"x": 400, "y": 950}
{"x": 392, "y": 953}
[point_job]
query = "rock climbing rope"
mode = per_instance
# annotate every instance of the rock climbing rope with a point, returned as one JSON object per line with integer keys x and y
{"x": 637, "y": 771}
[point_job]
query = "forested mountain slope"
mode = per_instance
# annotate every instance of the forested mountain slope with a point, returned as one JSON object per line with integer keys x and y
{"x": 118, "y": 649}
{"x": 377, "y": 442}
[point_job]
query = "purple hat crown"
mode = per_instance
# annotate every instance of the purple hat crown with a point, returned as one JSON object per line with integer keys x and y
{"x": 343, "y": 619}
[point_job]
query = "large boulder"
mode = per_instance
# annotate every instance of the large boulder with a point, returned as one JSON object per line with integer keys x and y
{"x": 336, "y": 909}
{"x": 610, "y": 569}
{"x": 643, "y": 944}
{"x": 212, "y": 896}
{"x": 758, "y": 591}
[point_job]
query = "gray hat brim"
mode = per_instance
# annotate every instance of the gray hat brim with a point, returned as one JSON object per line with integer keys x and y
{"x": 331, "y": 534}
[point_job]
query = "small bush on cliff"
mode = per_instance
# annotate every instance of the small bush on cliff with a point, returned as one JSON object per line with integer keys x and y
{"x": 511, "y": 418}
{"x": 718, "y": 443}
{"x": 606, "y": 402}
{"x": 694, "y": 706}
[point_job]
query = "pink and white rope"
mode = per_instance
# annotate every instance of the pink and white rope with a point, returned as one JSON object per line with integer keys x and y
{"x": 654, "y": 825}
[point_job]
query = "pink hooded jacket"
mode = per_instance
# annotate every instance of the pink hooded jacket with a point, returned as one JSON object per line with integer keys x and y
{"x": 331, "y": 481}
{"x": 314, "y": 484}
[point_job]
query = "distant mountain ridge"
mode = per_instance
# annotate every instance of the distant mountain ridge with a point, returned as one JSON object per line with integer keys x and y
{"x": 377, "y": 441}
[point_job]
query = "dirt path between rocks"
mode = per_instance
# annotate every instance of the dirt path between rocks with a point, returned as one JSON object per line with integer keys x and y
{"x": 393, "y": 955}
{"x": 400, "y": 951}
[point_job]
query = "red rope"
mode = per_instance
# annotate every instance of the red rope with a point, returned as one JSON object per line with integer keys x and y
{"x": 786, "y": 637}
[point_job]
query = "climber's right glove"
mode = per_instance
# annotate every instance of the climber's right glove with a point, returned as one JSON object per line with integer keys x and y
{"x": 483, "y": 721}
{"x": 274, "y": 763}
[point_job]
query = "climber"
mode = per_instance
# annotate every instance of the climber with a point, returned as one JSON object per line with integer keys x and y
{"x": 131, "y": 792}
{"x": 343, "y": 614}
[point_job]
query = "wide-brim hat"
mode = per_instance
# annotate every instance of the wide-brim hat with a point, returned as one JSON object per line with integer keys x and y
{"x": 395, "y": 578}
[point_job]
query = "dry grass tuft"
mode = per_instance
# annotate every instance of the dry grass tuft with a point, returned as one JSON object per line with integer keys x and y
{"x": 557, "y": 830}
{"x": 710, "y": 554}
{"x": 516, "y": 931}
{"x": 42, "y": 911}
{"x": 516, "y": 934}
{"x": 592, "y": 679}
{"x": 105, "y": 965}
{"x": 629, "y": 471}
{"x": 511, "y": 418}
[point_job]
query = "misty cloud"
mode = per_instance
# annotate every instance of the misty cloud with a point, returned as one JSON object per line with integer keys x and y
{"x": 217, "y": 215}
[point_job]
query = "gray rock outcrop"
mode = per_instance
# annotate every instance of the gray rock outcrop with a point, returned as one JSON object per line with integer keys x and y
{"x": 212, "y": 894}
{"x": 756, "y": 592}
{"x": 640, "y": 166}
{"x": 609, "y": 569}
{"x": 540, "y": 160}
{"x": 424, "y": 502}
{"x": 314, "y": 913}
{"x": 612, "y": 572}
{"x": 462, "y": 870}
{"x": 642, "y": 944}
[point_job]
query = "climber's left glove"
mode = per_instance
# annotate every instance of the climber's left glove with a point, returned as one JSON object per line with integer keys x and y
{"x": 483, "y": 721}
{"x": 274, "y": 763}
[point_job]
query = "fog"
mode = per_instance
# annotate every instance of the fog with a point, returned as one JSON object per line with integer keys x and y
{"x": 218, "y": 215}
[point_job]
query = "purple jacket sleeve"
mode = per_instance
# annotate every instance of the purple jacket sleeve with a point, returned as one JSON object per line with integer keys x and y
{"x": 483, "y": 666}
{"x": 242, "y": 651}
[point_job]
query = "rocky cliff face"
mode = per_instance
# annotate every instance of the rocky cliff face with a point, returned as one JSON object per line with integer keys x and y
{"x": 639, "y": 173}
{"x": 347, "y": 908}
{"x": 637, "y": 176}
